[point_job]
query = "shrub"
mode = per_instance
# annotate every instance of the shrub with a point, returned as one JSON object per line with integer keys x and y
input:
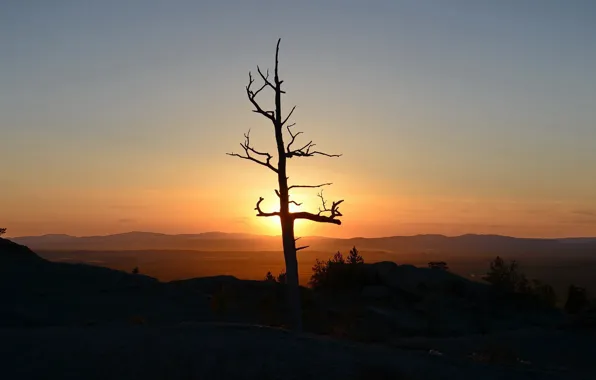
{"x": 337, "y": 272}
{"x": 2, "y": 231}
{"x": 135, "y": 270}
{"x": 281, "y": 277}
{"x": 506, "y": 277}
{"x": 269, "y": 277}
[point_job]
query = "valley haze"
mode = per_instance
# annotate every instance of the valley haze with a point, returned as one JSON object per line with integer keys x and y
{"x": 217, "y": 241}
{"x": 559, "y": 262}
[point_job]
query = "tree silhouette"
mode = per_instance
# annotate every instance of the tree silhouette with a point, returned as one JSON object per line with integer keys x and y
{"x": 2, "y": 231}
{"x": 354, "y": 257}
{"x": 505, "y": 276}
{"x": 285, "y": 151}
{"x": 269, "y": 277}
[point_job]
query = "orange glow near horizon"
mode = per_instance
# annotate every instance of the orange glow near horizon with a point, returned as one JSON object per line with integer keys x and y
{"x": 271, "y": 225}
{"x": 220, "y": 207}
{"x": 446, "y": 123}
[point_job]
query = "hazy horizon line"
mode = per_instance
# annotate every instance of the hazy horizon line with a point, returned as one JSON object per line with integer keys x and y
{"x": 308, "y": 236}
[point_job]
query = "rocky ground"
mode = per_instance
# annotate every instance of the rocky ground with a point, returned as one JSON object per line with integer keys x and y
{"x": 77, "y": 321}
{"x": 230, "y": 352}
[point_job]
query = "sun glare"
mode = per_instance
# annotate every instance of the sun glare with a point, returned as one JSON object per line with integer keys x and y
{"x": 271, "y": 226}
{"x": 294, "y": 208}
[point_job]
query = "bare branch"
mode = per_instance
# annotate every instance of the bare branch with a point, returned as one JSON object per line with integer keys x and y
{"x": 265, "y": 78}
{"x": 315, "y": 217}
{"x": 261, "y": 213}
{"x": 252, "y": 97}
{"x": 306, "y": 151}
{"x": 293, "y": 136}
{"x": 323, "y": 202}
{"x": 309, "y": 186}
{"x": 289, "y": 115}
{"x": 299, "y": 248}
{"x": 248, "y": 149}
{"x": 334, "y": 210}
{"x": 319, "y": 217}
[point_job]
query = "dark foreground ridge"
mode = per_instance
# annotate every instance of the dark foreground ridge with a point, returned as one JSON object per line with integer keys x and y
{"x": 73, "y": 321}
{"x": 225, "y": 352}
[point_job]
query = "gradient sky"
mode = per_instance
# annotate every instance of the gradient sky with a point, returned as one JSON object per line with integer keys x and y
{"x": 461, "y": 116}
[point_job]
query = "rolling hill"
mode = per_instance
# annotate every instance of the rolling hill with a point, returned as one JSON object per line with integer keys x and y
{"x": 489, "y": 245}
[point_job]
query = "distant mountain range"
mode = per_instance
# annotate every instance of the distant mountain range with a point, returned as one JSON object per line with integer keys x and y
{"x": 220, "y": 241}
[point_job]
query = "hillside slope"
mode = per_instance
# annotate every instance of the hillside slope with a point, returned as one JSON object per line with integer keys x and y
{"x": 97, "y": 323}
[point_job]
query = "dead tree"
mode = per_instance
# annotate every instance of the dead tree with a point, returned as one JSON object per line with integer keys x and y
{"x": 285, "y": 150}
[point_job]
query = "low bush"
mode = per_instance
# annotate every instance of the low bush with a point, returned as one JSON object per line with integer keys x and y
{"x": 338, "y": 273}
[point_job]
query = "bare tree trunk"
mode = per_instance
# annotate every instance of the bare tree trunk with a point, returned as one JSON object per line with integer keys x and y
{"x": 292, "y": 283}
{"x": 284, "y": 152}
{"x": 289, "y": 245}
{"x": 286, "y": 219}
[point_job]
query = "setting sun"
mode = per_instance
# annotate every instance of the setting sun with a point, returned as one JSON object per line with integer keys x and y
{"x": 271, "y": 225}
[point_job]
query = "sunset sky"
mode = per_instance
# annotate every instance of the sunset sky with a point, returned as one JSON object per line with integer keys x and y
{"x": 454, "y": 117}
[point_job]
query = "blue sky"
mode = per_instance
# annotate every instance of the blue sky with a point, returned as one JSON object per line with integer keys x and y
{"x": 435, "y": 105}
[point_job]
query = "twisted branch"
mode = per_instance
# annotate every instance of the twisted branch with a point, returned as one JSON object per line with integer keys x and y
{"x": 304, "y": 151}
{"x": 334, "y": 210}
{"x": 248, "y": 149}
{"x": 319, "y": 217}
{"x": 252, "y": 95}
{"x": 261, "y": 212}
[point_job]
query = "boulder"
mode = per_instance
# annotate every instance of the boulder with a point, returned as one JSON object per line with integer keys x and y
{"x": 374, "y": 273}
{"x": 406, "y": 278}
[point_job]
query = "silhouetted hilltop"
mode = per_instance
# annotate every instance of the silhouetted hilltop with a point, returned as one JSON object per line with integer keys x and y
{"x": 12, "y": 253}
{"x": 490, "y": 245}
{"x": 401, "y": 298}
{"x": 470, "y": 244}
{"x": 36, "y": 292}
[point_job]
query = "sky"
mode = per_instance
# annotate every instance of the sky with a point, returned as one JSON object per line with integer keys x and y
{"x": 453, "y": 117}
